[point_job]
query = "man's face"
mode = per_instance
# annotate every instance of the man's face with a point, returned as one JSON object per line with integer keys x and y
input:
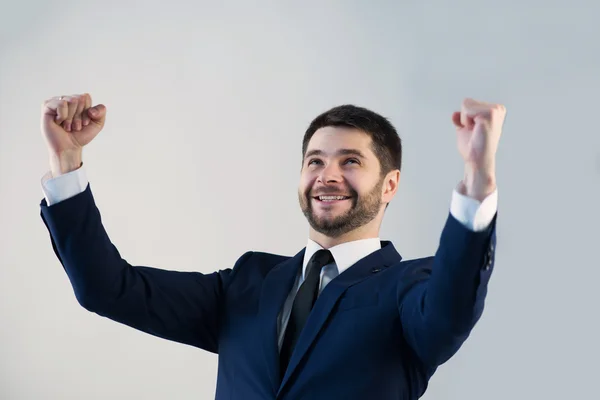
{"x": 340, "y": 165}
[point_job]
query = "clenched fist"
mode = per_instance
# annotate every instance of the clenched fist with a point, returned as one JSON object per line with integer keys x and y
{"x": 478, "y": 128}
{"x": 68, "y": 124}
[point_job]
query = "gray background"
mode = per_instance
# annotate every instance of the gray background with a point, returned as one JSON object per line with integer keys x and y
{"x": 199, "y": 162}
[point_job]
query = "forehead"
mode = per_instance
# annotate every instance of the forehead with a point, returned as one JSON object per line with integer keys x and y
{"x": 333, "y": 138}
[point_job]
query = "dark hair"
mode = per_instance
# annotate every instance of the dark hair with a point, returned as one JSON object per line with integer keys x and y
{"x": 387, "y": 145}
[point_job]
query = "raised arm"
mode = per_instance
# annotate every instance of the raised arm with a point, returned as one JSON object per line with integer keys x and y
{"x": 179, "y": 306}
{"x": 439, "y": 312}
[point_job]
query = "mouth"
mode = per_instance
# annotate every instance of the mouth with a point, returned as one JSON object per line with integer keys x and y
{"x": 331, "y": 199}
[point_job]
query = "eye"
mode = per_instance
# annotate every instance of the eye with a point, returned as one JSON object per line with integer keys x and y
{"x": 352, "y": 160}
{"x": 314, "y": 161}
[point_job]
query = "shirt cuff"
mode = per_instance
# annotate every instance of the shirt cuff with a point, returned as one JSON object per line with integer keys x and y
{"x": 65, "y": 186}
{"x": 474, "y": 215}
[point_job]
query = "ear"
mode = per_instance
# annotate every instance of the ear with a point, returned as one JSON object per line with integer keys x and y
{"x": 390, "y": 186}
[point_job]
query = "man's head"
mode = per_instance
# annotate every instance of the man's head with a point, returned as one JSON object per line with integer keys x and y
{"x": 355, "y": 154}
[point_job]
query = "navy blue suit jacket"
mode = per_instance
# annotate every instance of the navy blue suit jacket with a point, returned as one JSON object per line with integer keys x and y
{"x": 378, "y": 331}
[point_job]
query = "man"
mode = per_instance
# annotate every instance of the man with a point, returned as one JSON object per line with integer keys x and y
{"x": 345, "y": 318}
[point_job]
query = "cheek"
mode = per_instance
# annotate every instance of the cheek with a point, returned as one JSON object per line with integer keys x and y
{"x": 354, "y": 183}
{"x": 306, "y": 182}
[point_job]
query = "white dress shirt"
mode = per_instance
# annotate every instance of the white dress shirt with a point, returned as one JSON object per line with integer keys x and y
{"x": 474, "y": 215}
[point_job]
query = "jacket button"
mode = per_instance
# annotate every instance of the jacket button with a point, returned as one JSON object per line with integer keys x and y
{"x": 488, "y": 265}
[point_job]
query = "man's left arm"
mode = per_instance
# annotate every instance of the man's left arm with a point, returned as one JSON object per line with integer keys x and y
{"x": 439, "y": 313}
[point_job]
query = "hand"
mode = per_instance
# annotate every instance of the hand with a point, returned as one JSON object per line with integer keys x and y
{"x": 69, "y": 123}
{"x": 478, "y": 128}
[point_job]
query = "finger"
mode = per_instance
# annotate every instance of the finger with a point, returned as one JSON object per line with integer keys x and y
{"x": 97, "y": 114}
{"x": 49, "y": 106}
{"x": 62, "y": 111}
{"x": 466, "y": 116}
{"x": 72, "y": 101}
{"x": 57, "y": 109}
{"x": 77, "y": 125}
{"x": 85, "y": 118}
{"x": 474, "y": 107}
{"x": 456, "y": 119}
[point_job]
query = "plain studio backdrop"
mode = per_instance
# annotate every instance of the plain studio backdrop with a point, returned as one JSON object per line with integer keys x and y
{"x": 200, "y": 159}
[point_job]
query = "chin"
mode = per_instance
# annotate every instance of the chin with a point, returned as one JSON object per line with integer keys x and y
{"x": 328, "y": 215}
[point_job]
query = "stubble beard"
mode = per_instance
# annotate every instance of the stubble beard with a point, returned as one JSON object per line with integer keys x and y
{"x": 362, "y": 211}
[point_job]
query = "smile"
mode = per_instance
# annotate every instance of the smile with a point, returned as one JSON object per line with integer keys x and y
{"x": 330, "y": 199}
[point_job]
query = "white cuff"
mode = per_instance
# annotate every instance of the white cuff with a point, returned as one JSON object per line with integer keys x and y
{"x": 64, "y": 186}
{"x": 475, "y": 215}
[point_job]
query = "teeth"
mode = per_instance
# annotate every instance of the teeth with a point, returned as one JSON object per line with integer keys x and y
{"x": 331, "y": 198}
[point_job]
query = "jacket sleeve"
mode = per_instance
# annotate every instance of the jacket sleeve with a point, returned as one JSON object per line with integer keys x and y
{"x": 180, "y": 306}
{"x": 441, "y": 305}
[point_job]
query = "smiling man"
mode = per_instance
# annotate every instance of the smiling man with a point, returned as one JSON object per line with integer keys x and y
{"x": 344, "y": 318}
{"x": 340, "y": 159}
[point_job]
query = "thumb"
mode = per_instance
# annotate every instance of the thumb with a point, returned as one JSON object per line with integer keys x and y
{"x": 97, "y": 113}
{"x": 456, "y": 120}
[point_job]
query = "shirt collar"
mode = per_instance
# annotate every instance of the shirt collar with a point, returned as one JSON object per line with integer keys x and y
{"x": 345, "y": 254}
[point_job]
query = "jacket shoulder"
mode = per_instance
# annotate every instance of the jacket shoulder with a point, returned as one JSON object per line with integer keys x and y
{"x": 256, "y": 262}
{"x": 408, "y": 273}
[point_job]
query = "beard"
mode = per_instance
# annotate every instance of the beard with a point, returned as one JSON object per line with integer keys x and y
{"x": 362, "y": 211}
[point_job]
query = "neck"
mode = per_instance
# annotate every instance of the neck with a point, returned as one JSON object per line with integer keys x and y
{"x": 368, "y": 231}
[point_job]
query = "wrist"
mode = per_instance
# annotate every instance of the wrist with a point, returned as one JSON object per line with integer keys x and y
{"x": 65, "y": 162}
{"x": 478, "y": 183}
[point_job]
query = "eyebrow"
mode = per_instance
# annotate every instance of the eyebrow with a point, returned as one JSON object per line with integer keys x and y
{"x": 342, "y": 152}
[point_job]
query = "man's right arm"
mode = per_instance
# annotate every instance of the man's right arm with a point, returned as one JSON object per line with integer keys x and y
{"x": 179, "y": 306}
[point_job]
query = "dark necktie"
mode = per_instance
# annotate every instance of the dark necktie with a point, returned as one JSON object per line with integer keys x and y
{"x": 303, "y": 304}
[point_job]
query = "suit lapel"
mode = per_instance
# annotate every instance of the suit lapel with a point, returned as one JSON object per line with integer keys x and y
{"x": 328, "y": 298}
{"x": 275, "y": 290}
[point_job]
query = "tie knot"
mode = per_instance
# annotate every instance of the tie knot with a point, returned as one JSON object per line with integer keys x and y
{"x": 321, "y": 258}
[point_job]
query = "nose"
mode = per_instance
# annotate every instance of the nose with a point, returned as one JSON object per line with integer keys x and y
{"x": 330, "y": 173}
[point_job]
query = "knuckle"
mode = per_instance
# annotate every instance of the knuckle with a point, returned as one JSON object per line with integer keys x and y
{"x": 497, "y": 109}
